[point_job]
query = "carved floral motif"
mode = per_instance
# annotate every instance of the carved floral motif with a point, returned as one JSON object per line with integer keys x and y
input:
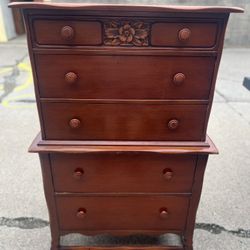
{"x": 133, "y": 33}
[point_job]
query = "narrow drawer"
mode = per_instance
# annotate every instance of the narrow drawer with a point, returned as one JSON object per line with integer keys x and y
{"x": 67, "y": 32}
{"x": 124, "y": 77}
{"x": 122, "y": 212}
{"x": 123, "y": 121}
{"x": 185, "y": 34}
{"x": 127, "y": 172}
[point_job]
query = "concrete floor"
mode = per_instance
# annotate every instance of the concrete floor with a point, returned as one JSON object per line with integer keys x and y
{"x": 223, "y": 221}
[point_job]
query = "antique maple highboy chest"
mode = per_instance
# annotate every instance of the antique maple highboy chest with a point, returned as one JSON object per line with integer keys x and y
{"x": 124, "y": 95}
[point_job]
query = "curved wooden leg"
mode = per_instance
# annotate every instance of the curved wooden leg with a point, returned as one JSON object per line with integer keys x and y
{"x": 55, "y": 243}
{"x": 50, "y": 199}
{"x": 188, "y": 248}
{"x": 194, "y": 201}
{"x": 188, "y": 243}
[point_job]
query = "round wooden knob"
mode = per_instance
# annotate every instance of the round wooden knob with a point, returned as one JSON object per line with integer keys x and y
{"x": 184, "y": 34}
{"x": 67, "y": 33}
{"x": 70, "y": 77}
{"x": 168, "y": 174}
{"x": 179, "y": 78}
{"x": 173, "y": 124}
{"x": 78, "y": 173}
{"x": 74, "y": 123}
{"x": 164, "y": 213}
{"x": 81, "y": 213}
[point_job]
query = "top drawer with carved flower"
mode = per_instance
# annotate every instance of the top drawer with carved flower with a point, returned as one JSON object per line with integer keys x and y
{"x": 123, "y": 31}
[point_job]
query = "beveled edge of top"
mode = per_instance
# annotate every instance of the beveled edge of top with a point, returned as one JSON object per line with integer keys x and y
{"x": 125, "y": 7}
{"x": 174, "y": 147}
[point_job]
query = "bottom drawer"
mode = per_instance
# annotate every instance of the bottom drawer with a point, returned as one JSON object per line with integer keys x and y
{"x": 122, "y": 212}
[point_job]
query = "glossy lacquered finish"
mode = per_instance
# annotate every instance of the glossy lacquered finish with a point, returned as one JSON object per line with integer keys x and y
{"x": 127, "y": 121}
{"x": 124, "y": 95}
{"x": 113, "y": 213}
{"x": 120, "y": 7}
{"x": 111, "y": 173}
{"x": 120, "y": 77}
{"x": 184, "y": 34}
{"x": 124, "y": 56}
{"x": 69, "y": 32}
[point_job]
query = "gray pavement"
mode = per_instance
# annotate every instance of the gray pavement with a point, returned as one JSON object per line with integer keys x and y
{"x": 223, "y": 220}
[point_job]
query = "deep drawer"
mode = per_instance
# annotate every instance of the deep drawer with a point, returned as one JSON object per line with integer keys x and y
{"x": 127, "y": 172}
{"x": 123, "y": 121}
{"x": 122, "y": 212}
{"x": 124, "y": 77}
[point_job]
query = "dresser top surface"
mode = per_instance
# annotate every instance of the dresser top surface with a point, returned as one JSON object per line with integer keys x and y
{"x": 126, "y": 7}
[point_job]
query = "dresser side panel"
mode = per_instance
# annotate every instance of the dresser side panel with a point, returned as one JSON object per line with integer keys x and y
{"x": 50, "y": 198}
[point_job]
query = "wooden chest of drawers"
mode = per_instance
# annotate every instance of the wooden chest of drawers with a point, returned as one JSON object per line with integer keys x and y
{"x": 124, "y": 95}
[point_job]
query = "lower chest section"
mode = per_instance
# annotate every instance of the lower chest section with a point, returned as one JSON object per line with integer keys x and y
{"x": 122, "y": 191}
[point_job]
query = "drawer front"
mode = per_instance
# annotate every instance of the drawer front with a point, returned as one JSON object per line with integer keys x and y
{"x": 184, "y": 34}
{"x": 67, "y": 32}
{"x": 122, "y": 213}
{"x": 121, "y": 32}
{"x": 124, "y": 77}
{"x": 131, "y": 172}
{"x": 123, "y": 121}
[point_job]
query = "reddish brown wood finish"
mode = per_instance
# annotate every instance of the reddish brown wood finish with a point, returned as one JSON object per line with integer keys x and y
{"x": 184, "y": 34}
{"x": 124, "y": 95}
{"x": 194, "y": 201}
{"x": 124, "y": 248}
{"x": 131, "y": 50}
{"x": 50, "y": 199}
{"x": 122, "y": 212}
{"x": 155, "y": 147}
{"x": 123, "y": 121}
{"x": 120, "y": 77}
{"x": 120, "y": 7}
{"x": 68, "y": 32}
{"x": 112, "y": 173}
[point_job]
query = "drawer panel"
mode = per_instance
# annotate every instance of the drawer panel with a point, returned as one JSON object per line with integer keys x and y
{"x": 124, "y": 77}
{"x": 185, "y": 34}
{"x": 123, "y": 121}
{"x": 127, "y": 172}
{"x": 67, "y": 32}
{"x": 122, "y": 212}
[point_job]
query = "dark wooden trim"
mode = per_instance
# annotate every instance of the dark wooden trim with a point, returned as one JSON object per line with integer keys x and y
{"x": 133, "y": 51}
{"x": 49, "y": 195}
{"x": 122, "y": 232}
{"x": 128, "y": 101}
{"x": 120, "y": 7}
{"x": 216, "y": 68}
{"x": 194, "y": 200}
{"x": 110, "y": 194}
{"x": 33, "y": 68}
{"x": 125, "y": 143}
{"x": 175, "y": 148}
{"x": 124, "y": 248}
